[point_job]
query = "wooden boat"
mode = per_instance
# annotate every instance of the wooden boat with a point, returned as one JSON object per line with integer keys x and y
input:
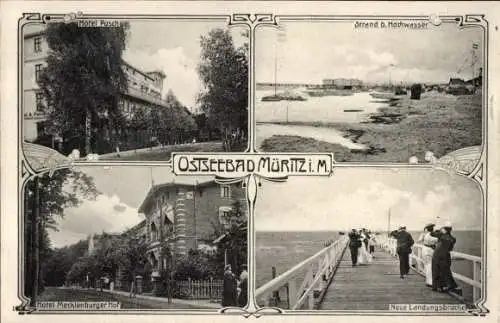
{"x": 353, "y": 110}
{"x": 283, "y": 97}
{"x": 271, "y": 98}
{"x": 384, "y": 96}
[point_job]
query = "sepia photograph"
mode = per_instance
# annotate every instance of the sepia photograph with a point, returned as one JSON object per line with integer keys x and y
{"x": 137, "y": 237}
{"x": 232, "y": 161}
{"x": 369, "y": 90}
{"x": 136, "y": 90}
{"x": 371, "y": 239}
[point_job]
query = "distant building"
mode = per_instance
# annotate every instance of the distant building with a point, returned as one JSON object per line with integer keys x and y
{"x": 144, "y": 88}
{"x": 185, "y": 216}
{"x": 342, "y": 82}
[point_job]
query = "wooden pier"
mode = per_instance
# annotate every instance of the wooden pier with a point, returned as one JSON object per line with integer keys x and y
{"x": 328, "y": 281}
{"x": 375, "y": 286}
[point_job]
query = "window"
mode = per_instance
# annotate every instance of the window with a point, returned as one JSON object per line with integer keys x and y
{"x": 225, "y": 191}
{"x": 40, "y": 128}
{"x": 37, "y": 44}
{"x": 154, "y": 232}
{"x": 39, "y": 101}
{"x": 144, "y": 89}
{"x": 38, "y": 70}
{"x": 225, "y": 216}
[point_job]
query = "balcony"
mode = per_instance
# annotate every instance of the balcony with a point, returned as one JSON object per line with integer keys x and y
{"x": 135, "y": 93}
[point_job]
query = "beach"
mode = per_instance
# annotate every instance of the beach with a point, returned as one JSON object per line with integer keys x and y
{"x": 383, "y": 132}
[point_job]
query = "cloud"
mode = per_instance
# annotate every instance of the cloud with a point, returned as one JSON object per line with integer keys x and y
{"x": 180, "y": 69}
{"x": 106, "y": 213}
{"x": 312, "y": 52}
{"x": 369, "y": 205}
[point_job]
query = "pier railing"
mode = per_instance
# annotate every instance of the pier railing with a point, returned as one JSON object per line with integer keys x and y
{"x": 418, "y": 263}
{"x": 305, "y": 283}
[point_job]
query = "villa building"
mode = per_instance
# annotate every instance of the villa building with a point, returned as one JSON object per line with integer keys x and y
{"x": 185, "y": 216}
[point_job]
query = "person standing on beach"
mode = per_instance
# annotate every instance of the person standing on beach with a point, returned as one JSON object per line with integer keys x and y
{"x": 429, "y": 242}
{"x": 403, "y": 249}
{"x": 354, "y": 244}
{"x": 442, "y": 277}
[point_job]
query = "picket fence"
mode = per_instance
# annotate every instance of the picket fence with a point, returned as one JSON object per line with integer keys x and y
{"x": 200, "y": 289}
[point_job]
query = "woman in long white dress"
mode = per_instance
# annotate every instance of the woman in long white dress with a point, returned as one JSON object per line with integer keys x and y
{"x": 364, "y": 257}
{"x": 429, "y": 243}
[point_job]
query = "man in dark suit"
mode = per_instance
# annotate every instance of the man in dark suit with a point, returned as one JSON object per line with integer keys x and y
{"x": 403, "y": 249}
{"x": 354, "y": 244}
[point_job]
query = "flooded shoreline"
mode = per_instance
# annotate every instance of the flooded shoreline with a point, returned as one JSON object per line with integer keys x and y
{"x": 393, "y": 132}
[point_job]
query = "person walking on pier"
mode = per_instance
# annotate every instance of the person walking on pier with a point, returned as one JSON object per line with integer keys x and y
{"x": 364, "y": 257}
{"x": 371, "y": 244}
{"x": 429, "y": 242}
{"x": 403, "y": 249}
{"x": 354, "y": 245}
{"x": 442, "y": 277}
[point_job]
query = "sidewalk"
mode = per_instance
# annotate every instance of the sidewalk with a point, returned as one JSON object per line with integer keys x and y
{"x": 166, "y": 148}
{"x": 202, "y": 303}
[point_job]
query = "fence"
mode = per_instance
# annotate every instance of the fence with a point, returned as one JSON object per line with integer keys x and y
{"x": 416, "y": 259}
{"x": 200, "y": 289}
{"x": 305, "y": 282}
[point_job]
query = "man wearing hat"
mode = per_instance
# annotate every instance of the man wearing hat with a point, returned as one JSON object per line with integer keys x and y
{"x": 429, "y": 242}
{"x": 442, "y": 277}
{"x": 403, "y": 249}
{"x": 354, "y": 245}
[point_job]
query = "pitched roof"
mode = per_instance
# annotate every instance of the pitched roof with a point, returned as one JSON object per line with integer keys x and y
{"x": 182, "y": 182}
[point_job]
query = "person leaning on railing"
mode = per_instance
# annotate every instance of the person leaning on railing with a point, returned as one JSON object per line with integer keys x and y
{"x": 442, "y": 277}
{"x": 429, "y": 243}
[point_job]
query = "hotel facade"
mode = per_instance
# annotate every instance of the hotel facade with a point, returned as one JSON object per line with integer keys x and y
{"x": 144, "y": 88}
{"x": 188, "y": 216}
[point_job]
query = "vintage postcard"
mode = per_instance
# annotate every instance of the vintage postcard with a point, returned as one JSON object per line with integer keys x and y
{"x": 249, "y": 160}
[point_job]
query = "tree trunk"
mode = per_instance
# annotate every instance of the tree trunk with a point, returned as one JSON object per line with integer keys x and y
{"x": 36, "y": 242}
{"x": 87, "y": 133}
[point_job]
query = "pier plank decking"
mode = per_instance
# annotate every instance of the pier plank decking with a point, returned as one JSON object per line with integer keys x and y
{"x": 375, "y": 286}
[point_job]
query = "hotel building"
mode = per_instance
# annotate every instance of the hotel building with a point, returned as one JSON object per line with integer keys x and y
{"x": 144, "y": 88}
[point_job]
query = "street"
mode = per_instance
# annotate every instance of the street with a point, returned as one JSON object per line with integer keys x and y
{"x": 69, "y": 295}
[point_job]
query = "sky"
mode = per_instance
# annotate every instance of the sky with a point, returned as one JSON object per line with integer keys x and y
{"x": 123, "y": 189}
{"x": 309, "y": 52}
{"x": 362, "y": 197}
{"x": 160, "y": 44}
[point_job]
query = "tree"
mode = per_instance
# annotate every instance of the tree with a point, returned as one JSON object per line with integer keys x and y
{"x": 83, "y": 81}
{"x": 223, "y": 71}
{"x": 233, "y": 243}
{"x": 60, "y": 261}
{"x": 64, "y": 189}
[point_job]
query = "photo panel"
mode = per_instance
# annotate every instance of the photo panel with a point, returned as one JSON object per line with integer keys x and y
{"x": 371, "y": 89}
{"x": 132, "y": 238}
{"x": 136, "y": 88}
{"x": 372, "y": 239}
{"x": 252, "y": 164}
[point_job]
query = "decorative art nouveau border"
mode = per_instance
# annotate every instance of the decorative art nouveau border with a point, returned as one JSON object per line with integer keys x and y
{"x": 468, "y": 162}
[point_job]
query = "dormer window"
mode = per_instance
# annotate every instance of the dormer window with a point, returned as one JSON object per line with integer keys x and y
{"x": 226, "y": 191}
